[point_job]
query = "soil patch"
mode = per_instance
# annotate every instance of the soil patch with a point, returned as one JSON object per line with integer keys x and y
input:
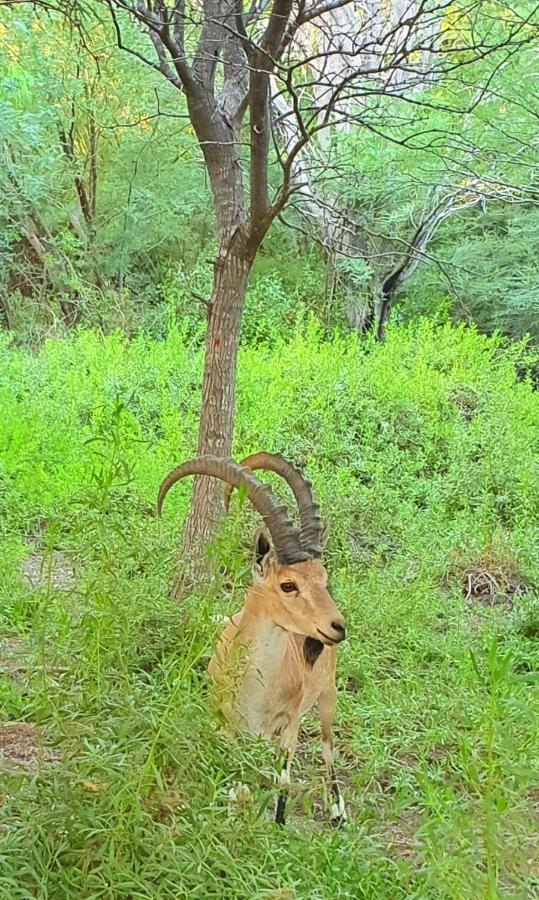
{"x": 492, "y": 579}
{"x": 493, "y": 587}
{"x": 402, "y": 835}
{"x": 14, "y": 656}
{"x": 38, "y": 568}
{"x": 22, "y": 748}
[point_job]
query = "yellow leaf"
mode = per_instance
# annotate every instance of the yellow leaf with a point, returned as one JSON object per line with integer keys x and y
{"x": 94, "y": 787}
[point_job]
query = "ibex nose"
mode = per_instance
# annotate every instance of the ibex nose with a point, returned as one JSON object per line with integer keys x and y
{"x": 340, "y": 628}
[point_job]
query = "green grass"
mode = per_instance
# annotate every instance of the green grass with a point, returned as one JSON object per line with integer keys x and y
{"x": 425, "y": 455}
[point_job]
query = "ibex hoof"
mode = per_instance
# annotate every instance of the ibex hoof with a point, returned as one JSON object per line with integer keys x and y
{"x": 284, "y": 778}
{"x": 338, "y": 812}
{"x": 240, "y": 794}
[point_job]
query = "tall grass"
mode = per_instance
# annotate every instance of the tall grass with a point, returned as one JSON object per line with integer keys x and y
{"x": 425, "y": 455}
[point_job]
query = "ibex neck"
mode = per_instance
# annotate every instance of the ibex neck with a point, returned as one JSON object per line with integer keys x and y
{"x": 262, "y": 632}
{"x": 263, "y": 698}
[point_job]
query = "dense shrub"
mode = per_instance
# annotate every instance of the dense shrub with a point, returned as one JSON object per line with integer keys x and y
{"x": 425, "y": 455}
{"x": 435, "y": 422}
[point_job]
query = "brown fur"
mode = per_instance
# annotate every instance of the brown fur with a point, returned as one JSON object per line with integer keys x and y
{"x": 263, "y": 680}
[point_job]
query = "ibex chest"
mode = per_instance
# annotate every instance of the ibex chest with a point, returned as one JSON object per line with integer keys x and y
{"x": 267, "y": 682}
{"x": 263, "y": 681}
{"x": 271, "y": 691}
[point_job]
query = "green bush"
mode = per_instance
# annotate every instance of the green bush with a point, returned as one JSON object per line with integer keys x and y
{"x": 425, "y": 456}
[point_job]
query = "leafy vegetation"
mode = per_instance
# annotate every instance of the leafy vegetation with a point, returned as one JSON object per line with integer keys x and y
{"x": 424, "y": 452}
{"x": 106, "y": 217}
{"x": 115, "y": 257}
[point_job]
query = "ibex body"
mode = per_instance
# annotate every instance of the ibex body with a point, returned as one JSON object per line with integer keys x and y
{"x": 276, "y": 658}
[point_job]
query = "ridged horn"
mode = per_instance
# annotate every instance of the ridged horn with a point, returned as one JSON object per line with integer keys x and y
{"x": 286, "y": 538}
{"x": 311, "y": 527}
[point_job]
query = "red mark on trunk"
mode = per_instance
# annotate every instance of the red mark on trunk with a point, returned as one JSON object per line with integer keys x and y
{"x": 217, "y": 342}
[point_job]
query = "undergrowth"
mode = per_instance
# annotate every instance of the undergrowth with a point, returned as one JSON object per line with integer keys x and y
{"x": 425, "y": 456}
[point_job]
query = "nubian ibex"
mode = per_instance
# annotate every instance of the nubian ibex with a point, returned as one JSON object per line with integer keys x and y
{"x": 276, "y": 657}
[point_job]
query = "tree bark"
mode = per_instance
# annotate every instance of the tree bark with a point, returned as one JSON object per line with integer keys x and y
{"x": 231, "y": 274}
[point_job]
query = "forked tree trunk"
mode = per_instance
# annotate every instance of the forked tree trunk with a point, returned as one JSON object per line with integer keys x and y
{"x": 231, "y": 274}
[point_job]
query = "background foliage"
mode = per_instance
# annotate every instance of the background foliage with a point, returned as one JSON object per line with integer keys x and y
{"x": 93, "y": 119}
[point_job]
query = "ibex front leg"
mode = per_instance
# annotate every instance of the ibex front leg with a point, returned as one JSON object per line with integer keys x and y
{"x": 326, "y": 709}
{"x": 288, "y": 748}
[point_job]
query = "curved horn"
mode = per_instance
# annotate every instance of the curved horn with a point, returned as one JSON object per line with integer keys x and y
{"x": 286, "y": 538}
{"x": 311, "y": 527}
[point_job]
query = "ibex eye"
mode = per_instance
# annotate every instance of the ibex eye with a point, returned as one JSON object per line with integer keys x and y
{"x": 288, "y": 587}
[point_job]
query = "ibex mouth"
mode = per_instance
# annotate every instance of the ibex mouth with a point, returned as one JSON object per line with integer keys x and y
{"x": 327, "y": 639}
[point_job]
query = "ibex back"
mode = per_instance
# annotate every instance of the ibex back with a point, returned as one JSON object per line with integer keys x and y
{"x": 276, "y": 658}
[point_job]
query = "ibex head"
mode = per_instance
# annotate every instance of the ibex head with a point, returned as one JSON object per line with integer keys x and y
{"x": 293, "y": 579}
{"x": 296, "y": 596}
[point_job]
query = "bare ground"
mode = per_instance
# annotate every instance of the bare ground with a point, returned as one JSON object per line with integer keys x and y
{"x": 23, "y": 748}
{"x": 56, "y": 568}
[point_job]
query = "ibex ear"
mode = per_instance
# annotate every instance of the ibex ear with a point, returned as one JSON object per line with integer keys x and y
{"x": 264, "y": 555}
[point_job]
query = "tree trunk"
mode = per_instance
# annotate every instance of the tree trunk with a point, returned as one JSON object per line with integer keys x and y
{"x": 231, "y": 273}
